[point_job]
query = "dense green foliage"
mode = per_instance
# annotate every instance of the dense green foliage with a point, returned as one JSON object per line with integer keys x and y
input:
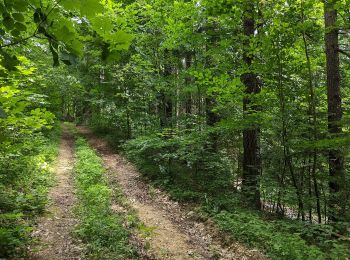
{"x": 240, "y": 106}
{"x": 280, "y": 239}
{"x": 184, "y": 161}
{"x": 179, "y": 166}
{"x": 26, "y": 175}
{"x": 31, "y": 31}
{"x": 100, "y": 229}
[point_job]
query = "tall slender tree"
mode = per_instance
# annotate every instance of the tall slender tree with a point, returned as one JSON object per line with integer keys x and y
{"x": 251, "y": 160}
{"x": 336, "y": 157}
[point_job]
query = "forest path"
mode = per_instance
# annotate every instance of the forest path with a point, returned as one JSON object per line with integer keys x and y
{"x": 176, "y": 234}
{"x": 54, "y": 229}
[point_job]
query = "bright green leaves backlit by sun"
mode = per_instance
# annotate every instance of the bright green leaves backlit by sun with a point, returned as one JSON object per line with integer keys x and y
{"x": 88, "y": 8}
{"x": 21, "y": 110}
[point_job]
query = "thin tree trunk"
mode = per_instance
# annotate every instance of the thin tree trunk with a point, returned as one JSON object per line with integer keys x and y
{"x": 296, "y": 186}
{"x": 188, "y": 80}
{"x": 312, "y": 111}
{"x": 165, "y": 102}
{"x": 284, "y": 125}
{"x": 309, "y": 204}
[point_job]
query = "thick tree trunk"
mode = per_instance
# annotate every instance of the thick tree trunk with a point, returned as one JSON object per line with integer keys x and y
{"x": 251, "y": 160}
{"x": 336, "y": 157}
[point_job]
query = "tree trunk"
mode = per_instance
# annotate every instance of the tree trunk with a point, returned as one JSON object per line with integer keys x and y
{"x": 165, "y": 101}
{"x": 251, "y": 160}
{"x": 212, "y": 119}
{"x": 312, "y": 112}
{"x": 336, "y": 157}
{"x": 188, "y": 99}
{"x": 165, "y": 109}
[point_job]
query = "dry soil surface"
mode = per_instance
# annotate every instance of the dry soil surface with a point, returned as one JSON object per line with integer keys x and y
{"x": 54, "y": 230}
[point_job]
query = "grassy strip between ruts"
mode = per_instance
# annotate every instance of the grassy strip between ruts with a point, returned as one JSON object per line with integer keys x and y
{"x": 99, "y": 228}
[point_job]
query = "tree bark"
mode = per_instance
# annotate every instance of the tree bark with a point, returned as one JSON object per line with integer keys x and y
{"x": 336, "y": 157}
{"x": 251, "y": 158}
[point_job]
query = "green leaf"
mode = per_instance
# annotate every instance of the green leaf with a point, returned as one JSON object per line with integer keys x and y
{"x": 76, "y": 47}
{"x": 8, "y": 3}
{"x": 102, "y": 25}
{"x": 71, "y": 4}
{"x": 15, "y": 33}
{"x": 20, "y": 27}
{"x": 120, "y": 40}
{"x": 68, "y": 58}
{"x": 53, "y": 50}
{"x": 113, "y": 56}
{"x": 64, "y": 34}
{"x": 18, "y": 17}
{"x": 20, "y": 5}
{"x": 9, "y": 61}
{"x": 90, "y": 8}
{"x": 8, "y": 22}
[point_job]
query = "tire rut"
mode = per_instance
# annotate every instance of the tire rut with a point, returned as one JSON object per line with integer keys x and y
{"x": 54, "y": 230}
{"x": 176, "y": 234}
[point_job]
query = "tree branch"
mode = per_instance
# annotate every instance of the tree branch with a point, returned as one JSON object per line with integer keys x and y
{"x": 344, "y": 52}
{"x": 19, "y": 41}
{"x": 36, "y": 31}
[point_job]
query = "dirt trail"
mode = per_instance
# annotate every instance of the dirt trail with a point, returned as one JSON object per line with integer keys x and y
{"x": 54, "y": 230}
{"x": 177, "y": 235}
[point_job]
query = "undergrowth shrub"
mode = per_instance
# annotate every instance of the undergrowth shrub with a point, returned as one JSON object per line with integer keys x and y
{"x": 185, "y": 162}
{"x": 25, "y": 177}
{"x": 99, "y": 228}
{"x": 279, "y": 238}
{"x": 115, "y": 134}
{"x": 188, "y": 169}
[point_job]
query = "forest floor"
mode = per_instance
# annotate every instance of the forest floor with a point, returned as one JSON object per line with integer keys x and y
{"x": 176, "y": 232}
{"x": 53, "y": 234}
{"x": 173, "y": 230}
